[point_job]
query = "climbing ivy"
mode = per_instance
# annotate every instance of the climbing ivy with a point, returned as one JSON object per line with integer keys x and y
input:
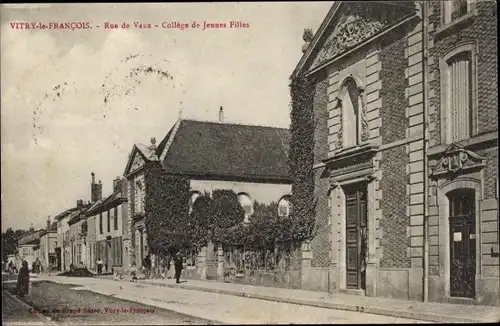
{"x": 166, "y": 210}
{"x": 300, "y": 225}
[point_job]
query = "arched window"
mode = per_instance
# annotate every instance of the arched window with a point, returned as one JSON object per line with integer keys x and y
{"x": 285, "y": 206}
{"x": 192, "y": 199}
{"x": 246, "y": 203}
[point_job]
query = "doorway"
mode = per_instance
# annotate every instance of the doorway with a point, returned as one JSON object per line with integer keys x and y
{"x": 356, "y": 236}
{"x": 462, "y": 243}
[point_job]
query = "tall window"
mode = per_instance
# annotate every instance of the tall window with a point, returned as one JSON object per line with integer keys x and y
{"x": 284, "y": 206}
{"x": 351, "y": 106}
{"x": 100, "y": 223}
{"x": 139, "y": 196}
{"x": 116, "y": 218}
{"x": 458, "y": 108}
{"x": 454, "y": 9}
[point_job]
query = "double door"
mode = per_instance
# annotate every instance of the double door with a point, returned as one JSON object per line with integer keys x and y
{"x": 356, "y": 236}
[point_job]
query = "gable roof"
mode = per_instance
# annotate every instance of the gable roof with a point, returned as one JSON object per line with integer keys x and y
{"x": 201, "y": 148}
{"x": 326, "y": 25}
{"x": 113, "y": 200}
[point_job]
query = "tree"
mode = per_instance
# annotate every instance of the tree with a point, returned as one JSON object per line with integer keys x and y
{"x": 9, "y": 241}
{"x": 199, "y": 221}
{"x": 226, "y": 214}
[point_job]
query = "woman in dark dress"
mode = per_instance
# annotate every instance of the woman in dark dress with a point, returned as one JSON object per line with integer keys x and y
{"x": 23, "y": 280}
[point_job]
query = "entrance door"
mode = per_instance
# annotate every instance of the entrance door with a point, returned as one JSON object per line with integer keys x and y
{"x": 58, "y": 258}
{"x": 462, "y": 243}
{"x": 356, "y": 226}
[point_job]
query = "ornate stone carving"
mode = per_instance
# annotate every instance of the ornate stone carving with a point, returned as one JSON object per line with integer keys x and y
{"x": 137, "y": 162}
{"x": 307, "y": 37}
{"x": 359, "y": 22}
{"x": 457, "y": 159}
{"x": 340, "y": 136}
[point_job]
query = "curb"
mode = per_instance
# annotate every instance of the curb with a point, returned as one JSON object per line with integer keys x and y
{"x": 44, "y": 318}
{"x": 424, "y": 316}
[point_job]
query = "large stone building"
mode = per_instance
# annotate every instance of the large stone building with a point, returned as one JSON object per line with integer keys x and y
{"x": 250, "y": 160}
{"x": 48, "y": 243}
{"x": 405, "y": 150}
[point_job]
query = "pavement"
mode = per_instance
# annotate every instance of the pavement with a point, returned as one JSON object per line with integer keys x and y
{"x": 222, "y": 308}
{"x": 16, "y": 312}
{"x": 431, "y": 311}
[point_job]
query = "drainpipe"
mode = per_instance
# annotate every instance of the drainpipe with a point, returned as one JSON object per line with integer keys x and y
{"x": 425, "y": 84}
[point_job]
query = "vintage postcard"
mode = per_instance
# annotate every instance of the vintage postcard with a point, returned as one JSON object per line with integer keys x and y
{"x": 250, "y": 163}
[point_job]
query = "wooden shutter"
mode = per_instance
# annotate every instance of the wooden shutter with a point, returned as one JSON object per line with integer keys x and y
{"x": 460, "y": 96}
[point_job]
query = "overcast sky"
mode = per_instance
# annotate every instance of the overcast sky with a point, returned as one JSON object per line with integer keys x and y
{"x": 56, "y": 126}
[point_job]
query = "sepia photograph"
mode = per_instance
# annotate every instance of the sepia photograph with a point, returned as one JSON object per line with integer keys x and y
{"x": 211, "y": 163}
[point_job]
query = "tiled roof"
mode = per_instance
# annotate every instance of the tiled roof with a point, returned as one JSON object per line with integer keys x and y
{"x": 227, "y": 150}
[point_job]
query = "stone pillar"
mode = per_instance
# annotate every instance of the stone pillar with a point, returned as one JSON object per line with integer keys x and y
{"x": 201, "y": 264}
{"x": 220, "y": 263}
{"x": 306, "y": 264}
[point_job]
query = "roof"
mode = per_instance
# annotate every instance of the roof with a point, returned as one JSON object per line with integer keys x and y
{"x": 77, "y": 214}
{"x": 113, "y": 200}
{"x": 204, "y": 148}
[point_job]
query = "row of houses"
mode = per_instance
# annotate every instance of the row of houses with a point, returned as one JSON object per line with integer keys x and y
{"x": 405, "y": 159}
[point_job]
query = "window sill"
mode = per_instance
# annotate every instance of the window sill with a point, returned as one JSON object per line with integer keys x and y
{"x": 456, "y": 25}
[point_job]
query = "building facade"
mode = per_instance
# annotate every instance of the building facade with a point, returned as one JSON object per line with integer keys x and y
{"x": 406, "y": 108}
{"x": 105, "y": 222}
{"x": 213, "y": 156}
{"x": 78, "y": 235}
{"x": 48, "y": 244}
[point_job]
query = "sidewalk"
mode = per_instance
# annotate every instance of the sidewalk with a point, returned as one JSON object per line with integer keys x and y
{"x": 432, "y": 311}
{"x": 17, "y": 312}
{"x": 221, "y": 308}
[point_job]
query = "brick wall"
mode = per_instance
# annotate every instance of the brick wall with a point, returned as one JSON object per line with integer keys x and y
{"x": 320, "y": 245}
{"x": 392, "y": 93}
{"x": 483, "y": 30}
{"x": 394, "y": 222}
{"x": 490, "y": 172}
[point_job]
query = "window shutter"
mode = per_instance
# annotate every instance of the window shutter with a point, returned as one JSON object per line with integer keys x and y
{"x": 460, "y": 89}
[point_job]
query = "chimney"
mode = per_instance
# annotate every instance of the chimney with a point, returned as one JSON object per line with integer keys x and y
{"x": 95, "y": 190}
{"x": 116, "y": 184}
{"x": 48, "y": 223}
{"x": 221, "y": 115}
{"x": 79, "y": 203}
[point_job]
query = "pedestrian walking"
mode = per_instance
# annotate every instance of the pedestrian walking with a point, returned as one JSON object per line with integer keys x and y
{"x": 99, "y": 263}
{"x": 23, "y": 280}
{"x": 178, "y": 266}
{"x": 146, "y": 263}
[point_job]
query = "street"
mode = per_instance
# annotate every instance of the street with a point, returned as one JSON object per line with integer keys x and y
{"x": 76, "y": 301}
{"x": 65, "y": 304}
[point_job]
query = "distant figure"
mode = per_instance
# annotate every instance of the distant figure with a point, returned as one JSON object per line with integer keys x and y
{"x": 146, "y": 263}
{"x": 178, "y": 266}
{"x": 100, "y": 263}
{"x": 23, "y": 280}
{"x": 133, "y": 273}
{"x": 11, "y": 267}
{"x": 37, "y": 266}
